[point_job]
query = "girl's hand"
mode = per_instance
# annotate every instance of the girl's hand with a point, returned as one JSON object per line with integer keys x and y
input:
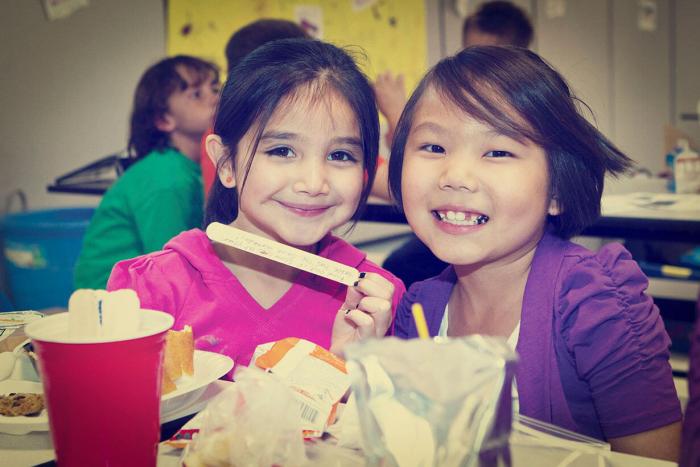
{"x": 365, "y": 313}
{"x": 390, "y": 92}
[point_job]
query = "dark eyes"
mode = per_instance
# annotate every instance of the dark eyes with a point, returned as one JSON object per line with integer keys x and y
{"x": 433, "y": 148}
{"x": 437, "y": 149}
{"x": 335, "y": 156}
{"x": 341, "y": 156}
{"x": 499, "y": 154}
{"x": 281, "y": 151}
{"x": 197, "y": 93}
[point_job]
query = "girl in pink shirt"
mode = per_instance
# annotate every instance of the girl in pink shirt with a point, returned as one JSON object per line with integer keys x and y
{"x": 295, "y": 144}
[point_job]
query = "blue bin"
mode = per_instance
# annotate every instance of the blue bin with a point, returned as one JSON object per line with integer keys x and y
{"x": 40, "y": 250}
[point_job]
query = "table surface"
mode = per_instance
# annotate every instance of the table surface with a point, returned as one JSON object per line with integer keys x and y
{"x": 36, "y": 448}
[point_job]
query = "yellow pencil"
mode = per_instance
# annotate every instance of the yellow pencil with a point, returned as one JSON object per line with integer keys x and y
{"x": 419, "y": 318}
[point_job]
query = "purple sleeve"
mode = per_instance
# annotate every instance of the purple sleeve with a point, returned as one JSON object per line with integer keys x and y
{"x": 404, "y": 326}
{"x": 690, "y": 447}
{"x": 147, "y": 278}
{"x": 615, "y": 335}
{"x": 399, "y": 291}
{"x": 433, "y": 295}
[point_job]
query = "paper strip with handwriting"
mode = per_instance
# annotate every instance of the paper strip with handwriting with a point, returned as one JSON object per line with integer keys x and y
{"x": 281, "y": 253}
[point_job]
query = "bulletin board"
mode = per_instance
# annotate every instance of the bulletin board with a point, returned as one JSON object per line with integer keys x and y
{"x": 391, "y": 33}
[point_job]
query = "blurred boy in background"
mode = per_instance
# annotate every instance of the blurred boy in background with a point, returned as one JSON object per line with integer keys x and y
{"x": 160, "y": 195}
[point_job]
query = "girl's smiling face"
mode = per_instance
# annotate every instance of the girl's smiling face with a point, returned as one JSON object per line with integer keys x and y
{"x": 474, "y": 196}
{"x": 306, "y": 176}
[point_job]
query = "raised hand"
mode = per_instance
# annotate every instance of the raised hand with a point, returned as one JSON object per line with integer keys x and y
{"x": 365, "y": 313}
{"x": 390, "y": 92}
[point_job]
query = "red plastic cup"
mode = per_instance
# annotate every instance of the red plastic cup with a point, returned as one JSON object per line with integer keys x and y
{"x": 102, "y": 395}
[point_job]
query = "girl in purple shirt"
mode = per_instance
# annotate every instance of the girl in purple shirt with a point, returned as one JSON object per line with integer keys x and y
{"x": 295, "y": 144}
{"x": 495, "y": 169}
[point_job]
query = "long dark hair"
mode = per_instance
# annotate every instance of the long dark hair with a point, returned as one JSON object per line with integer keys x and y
{"x": 268, "y": 75}
{"x": 156, "y": 85}
{"x": 492, "y": 84}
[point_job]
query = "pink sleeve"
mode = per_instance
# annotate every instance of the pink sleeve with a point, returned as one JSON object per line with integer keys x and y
{"x": 156, "y": 290}
{"x": 399, "y": 290}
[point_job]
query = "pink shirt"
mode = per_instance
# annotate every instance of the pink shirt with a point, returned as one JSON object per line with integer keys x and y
{"x": 188, "y": 280}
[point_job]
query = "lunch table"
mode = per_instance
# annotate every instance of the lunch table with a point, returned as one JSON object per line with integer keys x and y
{"x": 35, "y": 449}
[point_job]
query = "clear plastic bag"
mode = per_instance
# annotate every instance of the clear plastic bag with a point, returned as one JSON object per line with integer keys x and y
{"x": 253, "y": 423}
{"x": 551, "y": 445}
{"x": 434, "y": 403}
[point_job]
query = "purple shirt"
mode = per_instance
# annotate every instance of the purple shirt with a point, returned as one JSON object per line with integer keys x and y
{"x": 593, "y": 348}
{"x": 690, "y": 448}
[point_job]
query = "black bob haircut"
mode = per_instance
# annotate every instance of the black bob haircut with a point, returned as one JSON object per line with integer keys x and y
{"x": 267, "y": 76}
{"x": 494, "y": 84}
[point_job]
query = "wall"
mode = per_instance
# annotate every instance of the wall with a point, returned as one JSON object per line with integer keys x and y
{"x": 66, "y": 88}
{"x": 641, "y": 82}
{"x": 687, "y": 64}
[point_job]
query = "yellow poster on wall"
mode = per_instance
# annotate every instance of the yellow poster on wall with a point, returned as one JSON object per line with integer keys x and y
{"x": 391, "y": 33}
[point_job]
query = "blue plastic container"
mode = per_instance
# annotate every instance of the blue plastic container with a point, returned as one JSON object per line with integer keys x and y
{"x": 40, "y": 249}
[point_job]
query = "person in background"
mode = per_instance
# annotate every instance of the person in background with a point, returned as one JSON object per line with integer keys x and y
{"x": 241, "y": 43}
{"x": 160, "y": 195}
{"x": 496, "y": 169}
{"x": 493, "y": 23}
{"x": 295, "y": 143}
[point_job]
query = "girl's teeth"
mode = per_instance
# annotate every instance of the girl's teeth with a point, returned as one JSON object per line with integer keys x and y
{"x": 461, "y": 218}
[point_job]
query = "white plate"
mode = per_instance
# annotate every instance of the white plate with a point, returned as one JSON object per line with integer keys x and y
{"x": 22, "y": 425}
{"x": 208, "y": 367}
{"x": 188, "y": 398}
{"x": 16, "y": 319}
{"x": 12, "y": 320}
{"x": 210, "y": 391}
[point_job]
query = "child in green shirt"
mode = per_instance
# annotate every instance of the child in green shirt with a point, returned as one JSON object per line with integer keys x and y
{"x": 160, "y": 195}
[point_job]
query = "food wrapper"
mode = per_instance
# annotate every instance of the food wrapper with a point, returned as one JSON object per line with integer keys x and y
{"x": 319, "y": 379}
{"x": 255, "y": 422}
{"x": 434, "y": 403}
